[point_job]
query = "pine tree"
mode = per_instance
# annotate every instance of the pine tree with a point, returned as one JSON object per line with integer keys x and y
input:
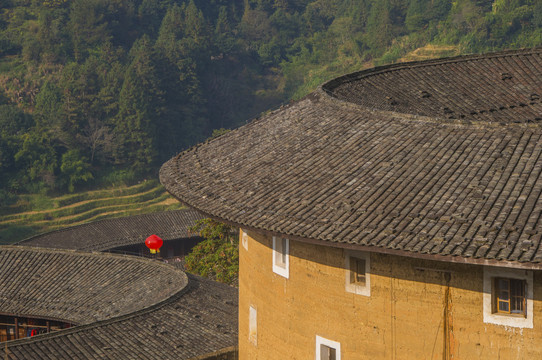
{"x": 87, "y": 26}
{"x": 140, "y": 108}
{"x": 379, "y": 26}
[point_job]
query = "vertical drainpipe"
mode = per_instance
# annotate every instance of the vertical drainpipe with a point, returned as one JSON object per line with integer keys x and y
{"x": 447, "y": 351}
{"x": 392, "y": 315}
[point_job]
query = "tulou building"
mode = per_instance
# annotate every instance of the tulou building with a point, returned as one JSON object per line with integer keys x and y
{"x": 69, "y": 294}
{"x": 394, "y": 213}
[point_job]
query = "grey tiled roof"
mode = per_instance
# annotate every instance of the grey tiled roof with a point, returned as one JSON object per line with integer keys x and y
{"x": 199, "y": 320}
{"x": 502, "y": 87}
{"x": 80, "y": 287}
{"x": 129, "y": 307}
{"x": 438, "y": 158}
{"x": 112, "y": 233}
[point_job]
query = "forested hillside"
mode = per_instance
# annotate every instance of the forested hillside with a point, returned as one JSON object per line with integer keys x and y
{"x": 104, "y": 90}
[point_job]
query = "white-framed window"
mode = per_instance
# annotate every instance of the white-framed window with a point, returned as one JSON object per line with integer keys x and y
{"x": 253, "y": 325}
{"x": 508, "y": 297}
{"x": 327, "y": 349}
{"x": 281, "y": 262}
{"x": 244, "y": 239}
{"x": 357, "y": 266}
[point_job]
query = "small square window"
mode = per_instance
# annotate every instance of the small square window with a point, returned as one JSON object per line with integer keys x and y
{"x": 357, "y": 266}
{"x": 280, "y": 253}
{"x": 281, "y": 247}
{"x": 244, "y": 239}
{"x": 509, "y": 296}
{"x": 327, "y": 349}
{"x": 327, "y": 353}
{"x": 253, "y": 325}
{"x": 357, "y": 271}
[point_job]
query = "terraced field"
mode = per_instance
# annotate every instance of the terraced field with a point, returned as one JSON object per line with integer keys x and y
{"x": 34, "y": 214}
{"x": 431, "y": 52}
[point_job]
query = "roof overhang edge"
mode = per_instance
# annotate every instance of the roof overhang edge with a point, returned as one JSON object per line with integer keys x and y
{"x": 397, "y": 252}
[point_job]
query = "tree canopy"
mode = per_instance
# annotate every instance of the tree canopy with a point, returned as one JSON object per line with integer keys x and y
{"x": 89, "y": 86}
{"x": 217, "y": 256}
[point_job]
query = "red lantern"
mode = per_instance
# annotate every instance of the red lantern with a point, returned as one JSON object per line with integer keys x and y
{"x": 154, "y": 243}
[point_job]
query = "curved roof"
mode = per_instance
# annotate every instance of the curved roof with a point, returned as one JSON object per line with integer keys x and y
{"x": 436, "y": 159}
{"x": 111, "y": 233}
{"x": 79, "y": 287}
{"x": 502, "y": 87}
{"x": 128, "y": 306}
{"x": 200, "y": 319}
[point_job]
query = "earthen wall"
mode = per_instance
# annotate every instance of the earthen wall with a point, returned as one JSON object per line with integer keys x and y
{"x": 417, "y": 309}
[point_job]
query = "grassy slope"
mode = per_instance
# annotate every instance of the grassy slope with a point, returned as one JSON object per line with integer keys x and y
{"x": 34, "y": 214}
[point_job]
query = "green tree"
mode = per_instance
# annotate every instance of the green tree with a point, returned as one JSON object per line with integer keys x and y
{"x": 171, "y": 30}
{"x": 110, "y": 77}
{"x": 217, "y": 256}
{"x": 14, "y": 123}
{"x": 141, "y": 105}
{"x": 87, "y": 26}
{"x": 13, "y": 120}
{"x": 537, "y": 14}
{"x": 196, "y": 32}
{"x": 74, "y": 169}
{"x": 320, "y": 14}
{"x": 52, "y": 37}
{"x": 54, "y": 3}
{"x": 77, "y": 92}
{"x": 416, "y": 16}
{"x": 184, "y": 51}
{"x": 224, "y": 38}
{"x": 37, "y": 158}
{"x": 440, "y": 9}
{"x": 90, "y": 91}
{"x": 184, "y": 34}
{"x": 150, "y": 14}
{"x": 379, "y": 26}
{"x": 48, "y": 106}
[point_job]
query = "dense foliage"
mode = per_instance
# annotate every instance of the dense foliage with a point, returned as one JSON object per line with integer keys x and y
{"x": 91, "y": 87}
{"x": 217, "y": 256}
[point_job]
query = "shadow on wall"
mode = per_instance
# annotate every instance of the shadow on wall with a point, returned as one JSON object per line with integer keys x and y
{"x": 461, "y": 275}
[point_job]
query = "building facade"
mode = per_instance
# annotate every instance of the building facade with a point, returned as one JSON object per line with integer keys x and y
{"x": 406, "y": 308}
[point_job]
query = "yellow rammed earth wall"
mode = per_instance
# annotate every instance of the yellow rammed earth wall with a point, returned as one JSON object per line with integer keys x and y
{"x": 417, "y": 309}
